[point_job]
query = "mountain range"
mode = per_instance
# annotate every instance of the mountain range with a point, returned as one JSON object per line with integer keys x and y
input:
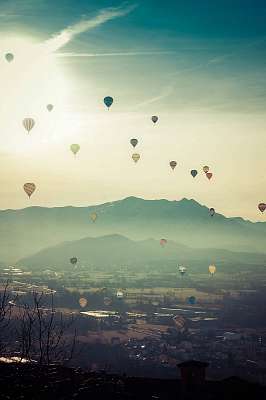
{"x": 27, "y": 231}
{"x": 116, "y": 250}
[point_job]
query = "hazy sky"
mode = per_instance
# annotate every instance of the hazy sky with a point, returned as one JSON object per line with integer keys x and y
{"x": 199, "y": 65}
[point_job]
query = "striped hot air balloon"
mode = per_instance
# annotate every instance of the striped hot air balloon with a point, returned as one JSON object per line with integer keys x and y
{"x": 29, "y": 188}
{"x": 83, "y": 302}
{"x": 28, "y": 124}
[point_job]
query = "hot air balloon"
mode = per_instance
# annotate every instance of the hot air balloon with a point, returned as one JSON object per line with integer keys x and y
{"x": 135, "y": 157}
{"x": 192, "y": 300}
{"x": 134, "y": 142}
{"x": 83, "y": 302}
{"x": 28, "y": 124}
{"x": 163, "y": 242}
{"x": 120, "y": 294}
{"x": 9, "y": 57}
{"x": 194, "y": 173}
{"x": 212, "y": 269}
{"x": 262, "y": 207}
{"x": 49, "y": 107}
{"x": 209, "y": 175}
{"x": 75, "y": 148}
{"x": 212, "y": 212}
{"x": 93, "y": 216}
{"x": 108, "y": 101}
{"x": 206, "y": 169}
{"x": 73, "y": 260}
{"x": 173, "y": 164}
{"x": 182, "y": 269}
{"x": 29, "y": 188}
{"x": 154, "y": 119}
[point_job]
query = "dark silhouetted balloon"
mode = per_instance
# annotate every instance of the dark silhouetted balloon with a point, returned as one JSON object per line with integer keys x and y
{"x": 212, "y": 212}
{"x": 194, "y": 173}
{"x": 209, "y": 175}
{"x": 262, "y": 207}
{"x": 154, "y": 119}
{"x": 108, "y": 101}
{"x": 9, "y": 57}
{"x": 173, "y": 164}
{"x": 49, "y": 107}
{"x": 134, "y": 142}
{"x": 73, "y": 260}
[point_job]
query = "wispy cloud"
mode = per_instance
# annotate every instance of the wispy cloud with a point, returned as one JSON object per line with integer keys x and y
{"x": 105, "y": 15}
{"x": 117, "y": 54}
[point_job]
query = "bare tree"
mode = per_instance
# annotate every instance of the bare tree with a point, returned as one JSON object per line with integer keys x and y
{"x": 44, "y": 334}
{"x": 5, "y": 315}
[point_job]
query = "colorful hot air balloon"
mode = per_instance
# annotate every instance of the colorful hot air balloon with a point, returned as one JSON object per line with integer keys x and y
{"x": 134, "y": 142}
{"x": 73, "y": 260}
{"x": 194, "y": 173}
{"x": 209, "y": 175}
{"x": 173, "y": 164}
{"x": 163, "y": 242}
{"x": 212, "y": 212}
{"x": 108, "y": 101}
{"x": 29, "y": 188}
{"x": 192, "y": 300}
{"x": 262, "y": 207}
{"x": 75, "y": 148}
{"x": 28, "y": 124}
{"x": 93, "y": 216}
{"x": 49, "y": 107}
{"x": 135, "y": 157}
{"x": 83, "y": 302}
{"x": 9, "y": 57}
{"x": 154, "y": 119}
{"x": 212, "y": 269}
{"x": 206, "y": 169}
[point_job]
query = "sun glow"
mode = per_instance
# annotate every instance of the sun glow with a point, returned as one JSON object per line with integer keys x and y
{"x": 31, "y": 81}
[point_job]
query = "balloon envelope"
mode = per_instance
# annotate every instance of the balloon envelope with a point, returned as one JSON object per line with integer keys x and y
{"x": 192, "y": 300}
{"x": 134, "y": 142}
{"x": 212, "y": 269}
{"x": 173, "y": 164}
{"x": 209, "y": 175}
{"x": 262, "y": 207}
{"x": 108, "y": 101}
{"x": 163, "y": 242}
{"x": 119, "y": 294}
{"x": 182, "y": 270}
{"x": 73, "y": 260}
{"x": 49, "y": 107}
{"x": 29, "y": 188}
{"x": 9, "y": 57}
{"x": 93, "y": 217}
{"x": 135, "y": 157}
{"x": 212, "y": 212}
{"x": 154, "y": 119}
{"x": 194, "y": 173}
{"x": 75, "y": 148}
{"x": 206, "y": 169}
{"x": 28, "y": 124}
{"x": 83, "y": 302}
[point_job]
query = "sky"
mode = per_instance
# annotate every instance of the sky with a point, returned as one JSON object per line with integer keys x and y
{"x": 199, "y": 66}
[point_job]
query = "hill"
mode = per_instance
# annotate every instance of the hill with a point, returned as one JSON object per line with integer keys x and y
{"x": 24, "y": 232}
{"x": 116, "y": 250}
